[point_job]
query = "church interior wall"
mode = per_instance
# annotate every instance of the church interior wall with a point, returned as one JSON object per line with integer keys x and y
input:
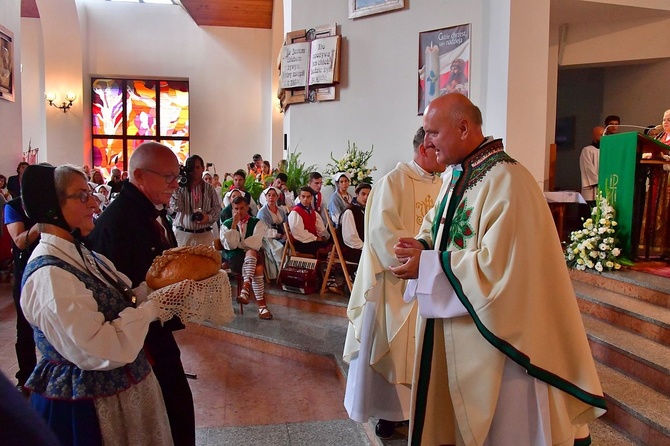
{"x": 638, "y": 93}
{"x": 10, "y": 112}
{"x": 580, "y": 95}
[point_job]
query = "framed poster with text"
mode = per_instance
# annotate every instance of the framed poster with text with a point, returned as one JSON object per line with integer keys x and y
{"x": 444, "y": 63}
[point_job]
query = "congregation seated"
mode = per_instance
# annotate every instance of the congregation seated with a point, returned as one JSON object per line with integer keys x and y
{"x": 274, "y": 217}
{"x": 227, "y": 211}
{"x": 351, "y": 224}
{"x": 115, "y": 182}
{"x": 239, "y": 178}
{"x": 208, "y": 178}
{"x": 242, "y": 238}
{"x": 306, "y": 224}
{"x": 286, "y": 197}
{"x": 106, "y": 192}
{"x": 315, "y": 182}
{"x": 341, "y": 198}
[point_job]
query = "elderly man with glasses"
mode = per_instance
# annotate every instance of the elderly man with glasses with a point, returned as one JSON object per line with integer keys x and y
{"x": 131, "y": 232}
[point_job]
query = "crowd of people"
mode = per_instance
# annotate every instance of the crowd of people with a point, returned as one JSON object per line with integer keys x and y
{"x": 454, "y": 323}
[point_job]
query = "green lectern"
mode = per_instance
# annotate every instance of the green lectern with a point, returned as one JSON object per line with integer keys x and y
{"x": 631, "y": 175}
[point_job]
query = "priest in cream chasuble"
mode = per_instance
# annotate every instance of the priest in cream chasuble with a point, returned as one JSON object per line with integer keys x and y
{"x": 381, "y": 334}
{"x": 502, "y": 355}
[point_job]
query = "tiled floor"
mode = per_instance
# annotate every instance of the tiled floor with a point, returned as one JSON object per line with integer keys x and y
{"x": 244, "y": 396}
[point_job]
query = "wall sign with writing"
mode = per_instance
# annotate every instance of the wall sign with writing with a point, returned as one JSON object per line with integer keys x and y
{"x": 309, "y": 66}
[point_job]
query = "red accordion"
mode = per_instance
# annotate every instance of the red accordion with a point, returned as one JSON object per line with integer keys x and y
{"x": 300, "y": 275}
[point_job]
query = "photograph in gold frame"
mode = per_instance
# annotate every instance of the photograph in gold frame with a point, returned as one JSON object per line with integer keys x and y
{"x": 6, "y": 64}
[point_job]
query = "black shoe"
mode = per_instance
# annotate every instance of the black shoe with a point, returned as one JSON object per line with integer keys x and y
{"x": 385, "y": 429}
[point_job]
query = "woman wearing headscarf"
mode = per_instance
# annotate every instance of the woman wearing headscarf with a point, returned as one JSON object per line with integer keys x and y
{"x": 93, "y": 383}
{"x": 274, "y": 218}
{"x": 341, "y": 198}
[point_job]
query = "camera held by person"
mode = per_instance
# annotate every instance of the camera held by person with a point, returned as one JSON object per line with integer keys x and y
{"x": 197, "y": 215}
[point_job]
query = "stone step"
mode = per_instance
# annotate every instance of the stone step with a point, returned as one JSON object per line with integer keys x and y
{"x": 643, "y": 318}
{"x": 646, "y": 287}
{"x": 602, "y": 434}
{"x": 605, "y": 434}
{"x": 643, "y": 360}
{"x": 294, "y": 333}
{"x": 330, "y": 303}
{"x": 636, "y": 409}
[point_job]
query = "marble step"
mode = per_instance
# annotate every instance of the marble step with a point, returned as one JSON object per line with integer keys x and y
{"x": 295, "y": 332}
{"x": 643, "y": 360}
{"x": 602, "y": 434}
{"x": 643, "y": 318}
{"x": 330, "y": 303}
{"x": 645, "y": 287}
{"x": 634, "y": 408}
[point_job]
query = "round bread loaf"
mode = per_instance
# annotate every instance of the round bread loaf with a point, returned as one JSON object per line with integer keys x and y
{"x": 186, "y": 262}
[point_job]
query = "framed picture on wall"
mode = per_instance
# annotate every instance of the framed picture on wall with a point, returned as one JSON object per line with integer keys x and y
{"x": 6, "y": 64}
{"x": 360, "y": 8}
{"x": 444, "y": 63}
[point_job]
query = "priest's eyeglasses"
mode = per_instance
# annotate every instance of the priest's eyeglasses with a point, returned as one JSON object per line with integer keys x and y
{"x": 169, "y": 178}
{"x": 83, "y": 196}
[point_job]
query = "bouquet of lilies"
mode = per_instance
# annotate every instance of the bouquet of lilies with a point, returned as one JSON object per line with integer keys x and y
{"x": 354, "y": 164}
{"x": 594, "y": 246}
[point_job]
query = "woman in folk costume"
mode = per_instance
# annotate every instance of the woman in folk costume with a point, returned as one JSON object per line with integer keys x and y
{"x": 274, "y": 218}
{"x": 341, "y": 198}
{"x": 93, "y": 384}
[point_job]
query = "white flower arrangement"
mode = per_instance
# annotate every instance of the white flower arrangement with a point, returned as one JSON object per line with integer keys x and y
{"x": 594, "y": 246}
{"x": 354, "y": 164}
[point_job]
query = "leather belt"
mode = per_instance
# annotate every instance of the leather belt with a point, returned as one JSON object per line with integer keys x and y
{"x": 194, "y": 231}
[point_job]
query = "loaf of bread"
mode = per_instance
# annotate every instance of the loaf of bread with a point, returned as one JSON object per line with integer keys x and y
{"x": 186, "y": 262}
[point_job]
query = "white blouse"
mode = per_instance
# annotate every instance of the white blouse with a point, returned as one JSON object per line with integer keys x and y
{"x": 64, "y": 309}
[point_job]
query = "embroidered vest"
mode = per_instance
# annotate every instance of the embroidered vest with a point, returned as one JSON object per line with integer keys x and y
{"x": 308, "y": 219}
{"x": 251, "y": 225}
{"x": 57, "y": 378}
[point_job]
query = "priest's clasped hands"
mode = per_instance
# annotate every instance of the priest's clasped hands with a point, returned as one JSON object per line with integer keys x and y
{"x": 408, "y": 253}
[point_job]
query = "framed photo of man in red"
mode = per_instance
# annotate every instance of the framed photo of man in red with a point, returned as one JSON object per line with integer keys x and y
{"x": 6, "y": 64}
{"x": 444, "y": 63}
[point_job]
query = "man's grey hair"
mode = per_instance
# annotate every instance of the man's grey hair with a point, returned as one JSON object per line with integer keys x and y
{"x": 418, "y": 139}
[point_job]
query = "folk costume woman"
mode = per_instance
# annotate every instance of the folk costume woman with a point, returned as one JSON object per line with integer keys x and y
{"x": 93, "y": 384}
{"x": 341, "y": 198}
{"x": 274, "y": 218}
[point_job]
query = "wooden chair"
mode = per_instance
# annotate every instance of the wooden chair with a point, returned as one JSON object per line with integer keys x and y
{"x": 336, "y": 255}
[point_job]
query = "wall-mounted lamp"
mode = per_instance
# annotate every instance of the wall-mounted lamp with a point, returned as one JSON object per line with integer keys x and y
{"x": 67, "y": 103}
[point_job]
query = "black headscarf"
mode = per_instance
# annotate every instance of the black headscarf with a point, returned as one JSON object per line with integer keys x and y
{"x": 40, "y": 201}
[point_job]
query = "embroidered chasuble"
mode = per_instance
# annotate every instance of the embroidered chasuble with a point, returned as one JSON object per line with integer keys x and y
{"x": 501, "y": 255}
{"x": 395, "y": 208}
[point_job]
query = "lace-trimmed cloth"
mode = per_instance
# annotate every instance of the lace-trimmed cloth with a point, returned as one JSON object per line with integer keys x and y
{"x": 196, "y": 301}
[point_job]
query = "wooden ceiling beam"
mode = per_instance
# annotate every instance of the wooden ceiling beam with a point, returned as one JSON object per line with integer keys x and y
{"x": 234, "y": 13}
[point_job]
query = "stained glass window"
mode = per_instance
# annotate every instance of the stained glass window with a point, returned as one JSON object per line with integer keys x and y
{"x": 128, "y": 112}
